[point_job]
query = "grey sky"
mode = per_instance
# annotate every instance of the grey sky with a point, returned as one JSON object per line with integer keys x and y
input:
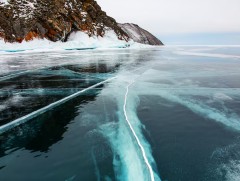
{"x": 177, "y": 16}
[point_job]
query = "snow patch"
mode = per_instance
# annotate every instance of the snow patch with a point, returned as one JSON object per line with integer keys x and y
{"x": 4, "y": 1}
{"x": 77, "y": 40}
{"x": 233, "y": 170}
{"x": 3, "y": 107}
{"x": 222, "y": 96}
{"x": 228, "y": 164}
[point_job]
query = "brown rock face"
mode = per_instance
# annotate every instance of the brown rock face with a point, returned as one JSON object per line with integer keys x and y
{"x": 54, "y": 19}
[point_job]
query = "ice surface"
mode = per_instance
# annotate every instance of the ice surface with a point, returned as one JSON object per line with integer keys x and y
{"x": 204, "y": 86}
{"x": 208, "y": 54}
{"x": 174, "y": 83}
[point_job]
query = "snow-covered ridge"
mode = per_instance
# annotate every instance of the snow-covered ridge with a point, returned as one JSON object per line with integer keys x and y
{"x": 71, "y": 24}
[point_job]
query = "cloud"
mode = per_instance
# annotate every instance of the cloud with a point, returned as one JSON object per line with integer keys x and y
{"x": 177, "y": 16}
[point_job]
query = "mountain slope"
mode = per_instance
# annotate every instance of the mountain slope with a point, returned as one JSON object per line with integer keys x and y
{"x": 55, "y": 20}
{"x": 139, "y": 35}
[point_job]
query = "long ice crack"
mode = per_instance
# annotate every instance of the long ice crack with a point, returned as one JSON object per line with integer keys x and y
{"x": 135, "y": 135}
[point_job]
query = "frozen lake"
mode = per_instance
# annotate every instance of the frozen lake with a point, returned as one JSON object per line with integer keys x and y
{"x": 170, "y": 113}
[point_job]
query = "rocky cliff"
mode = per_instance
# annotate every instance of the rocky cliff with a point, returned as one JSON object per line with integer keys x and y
{"x": 55, "y": 20}
{"x": 139, "y": 35}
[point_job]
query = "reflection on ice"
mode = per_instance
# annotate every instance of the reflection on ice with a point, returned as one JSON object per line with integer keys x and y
{"x": 28, "y": 91}
{"x": 36, "y": 113}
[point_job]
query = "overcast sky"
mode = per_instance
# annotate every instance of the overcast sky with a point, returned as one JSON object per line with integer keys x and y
{"x": 177, "y": 16}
